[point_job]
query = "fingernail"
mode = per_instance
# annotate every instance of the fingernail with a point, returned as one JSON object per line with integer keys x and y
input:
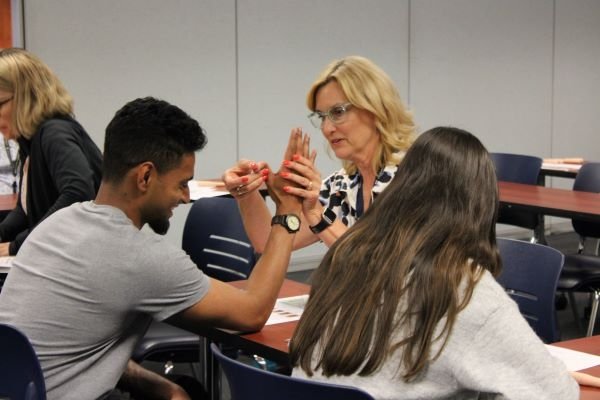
{"x": 287, "y": 163}
{"x": 286, "y": 188}
{"x": 264, "y": 178}
{"x": 265, "y": 171}
{"x": 244, "y": 179}
{"x": 253, "y": 166}
{"x": 296, "y": 157}
{"x": 284, "y": 174}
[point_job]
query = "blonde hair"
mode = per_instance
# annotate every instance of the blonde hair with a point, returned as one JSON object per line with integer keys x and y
{"x": 37, "y": 92}
{"x": 369, "y": 88}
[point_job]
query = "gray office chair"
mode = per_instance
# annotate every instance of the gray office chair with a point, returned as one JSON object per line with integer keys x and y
{"x": 529, "y": 275}
{"x": 250, "y": 383}
{"x": 525, "y": 169}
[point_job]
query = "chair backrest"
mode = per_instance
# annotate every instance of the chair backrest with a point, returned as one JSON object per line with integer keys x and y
{"x": 249, "y": 383}
{"x": 517, "y": 168}
{"x": 215, "y": 239}
{"x": 20, "y": 372}
{"x": 530, "y": 274}
{"x": 587, "y": 180}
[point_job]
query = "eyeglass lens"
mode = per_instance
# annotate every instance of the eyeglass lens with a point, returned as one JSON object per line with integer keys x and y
{"x": 335, "y": 114}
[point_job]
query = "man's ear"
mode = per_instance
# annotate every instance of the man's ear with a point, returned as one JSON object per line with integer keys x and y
{"x": 145, "y": 175}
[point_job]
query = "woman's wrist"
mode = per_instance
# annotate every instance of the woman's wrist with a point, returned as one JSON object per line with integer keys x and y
{"x": 314, "y": 216}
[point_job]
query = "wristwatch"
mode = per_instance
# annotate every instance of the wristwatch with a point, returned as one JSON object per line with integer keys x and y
{"x": 291, "y": 222}
{"x": 326, "y": 220}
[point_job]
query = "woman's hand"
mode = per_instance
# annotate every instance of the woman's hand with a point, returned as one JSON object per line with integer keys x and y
{"x": 245, "y": 177}
{"x": 299, "y": 168}
{"x": 585, "y": 379}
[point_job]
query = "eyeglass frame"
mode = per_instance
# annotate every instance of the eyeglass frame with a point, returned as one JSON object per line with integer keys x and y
{"x": 3, "y": 102}
{"x": 327, "y": 114}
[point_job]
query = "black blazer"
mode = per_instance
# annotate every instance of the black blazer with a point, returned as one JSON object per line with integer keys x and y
{"x": 65, "y": 167}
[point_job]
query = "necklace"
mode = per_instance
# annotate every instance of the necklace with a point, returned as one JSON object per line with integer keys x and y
{"x": 14, "y": 164}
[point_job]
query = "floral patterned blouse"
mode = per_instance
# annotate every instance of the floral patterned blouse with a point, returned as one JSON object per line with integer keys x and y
{"x": 341, "y": 192}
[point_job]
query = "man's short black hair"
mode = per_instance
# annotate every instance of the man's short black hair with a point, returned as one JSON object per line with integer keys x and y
{"x": 148, "y": 129}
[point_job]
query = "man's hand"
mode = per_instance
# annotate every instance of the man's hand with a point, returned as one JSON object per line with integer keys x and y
{"x": 245, "y": 177}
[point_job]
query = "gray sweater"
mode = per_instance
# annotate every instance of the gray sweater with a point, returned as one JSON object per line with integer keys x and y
{"x": 491, "y": 353}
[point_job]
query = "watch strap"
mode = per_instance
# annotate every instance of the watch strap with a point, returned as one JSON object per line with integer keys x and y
{"x": 283, "y": 221}
{"x": 327, "y": 218}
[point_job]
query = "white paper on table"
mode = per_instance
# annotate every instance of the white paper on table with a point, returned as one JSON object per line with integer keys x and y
{"x": 574, "y": 360}
{"x": 6, "y": 264}
{"x": 562, "y": 166}
{"x": 201, "y": 189}
{"x": 287, "y": 309}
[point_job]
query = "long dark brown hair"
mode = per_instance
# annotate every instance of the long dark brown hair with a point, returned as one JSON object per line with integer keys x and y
{"x": 410, "y": 263}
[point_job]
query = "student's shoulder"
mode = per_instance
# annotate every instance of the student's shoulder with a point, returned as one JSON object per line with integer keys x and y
{"x": 488, "y": 299}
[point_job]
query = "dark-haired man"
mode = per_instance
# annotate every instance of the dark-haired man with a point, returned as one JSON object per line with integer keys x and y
{"x": 88, "y": 281}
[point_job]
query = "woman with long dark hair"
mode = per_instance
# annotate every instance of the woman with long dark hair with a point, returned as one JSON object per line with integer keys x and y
{"x": 405, "y": 304}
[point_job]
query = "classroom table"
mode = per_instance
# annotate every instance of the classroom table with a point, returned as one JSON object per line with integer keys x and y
{"x": 564, "y": 203}
{"x": 272, "y": 341}
{"x": 590, "y": 345}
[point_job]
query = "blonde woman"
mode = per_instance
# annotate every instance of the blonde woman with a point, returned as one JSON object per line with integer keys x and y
{"x": 60, "y": 164}
{"x": 359, "y": 111}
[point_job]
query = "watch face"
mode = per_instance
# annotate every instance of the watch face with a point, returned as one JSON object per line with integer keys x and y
{"x": 293, "y": 222}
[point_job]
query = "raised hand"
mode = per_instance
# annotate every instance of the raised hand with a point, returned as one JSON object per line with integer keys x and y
{"x": 279, "y": 186}
{"x": 299, "y": 170}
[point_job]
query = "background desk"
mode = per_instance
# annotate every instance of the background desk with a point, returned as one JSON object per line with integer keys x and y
{"x": 562, "y": 170}
{"x": 564, "y": 203}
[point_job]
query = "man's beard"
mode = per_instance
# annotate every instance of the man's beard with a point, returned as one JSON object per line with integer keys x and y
{"x": 159, "y": 225}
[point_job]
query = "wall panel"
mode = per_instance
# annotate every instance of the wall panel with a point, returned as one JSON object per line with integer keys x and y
{"x": 577, "y": 79}
{"x": 485, "y": 66}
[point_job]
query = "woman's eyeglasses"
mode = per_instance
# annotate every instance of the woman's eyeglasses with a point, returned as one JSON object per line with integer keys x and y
{"x": 336, "y": 114}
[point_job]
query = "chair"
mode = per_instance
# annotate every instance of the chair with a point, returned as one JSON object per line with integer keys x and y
{"x": 250, "y": 383}
{"x": 20, "y": 372}
{"x": 525, "y": 169}
{"x": 529, "y": 275}
{"x": 215, "y": 239}
{"x": 581, "y": 272}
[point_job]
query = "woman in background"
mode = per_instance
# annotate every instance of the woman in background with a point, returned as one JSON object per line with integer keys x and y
{"x": 359, "y": 111}
{"x": 405, "y": 304}
{"x": 60, "y": 164}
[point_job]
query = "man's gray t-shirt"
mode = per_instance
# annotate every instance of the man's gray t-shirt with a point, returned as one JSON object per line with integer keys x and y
{"x": 84, "y": 288}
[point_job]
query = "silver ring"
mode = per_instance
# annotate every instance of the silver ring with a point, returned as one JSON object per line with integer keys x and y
{"x": 309, "y": 187}
{"x": 238, "y": 190}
